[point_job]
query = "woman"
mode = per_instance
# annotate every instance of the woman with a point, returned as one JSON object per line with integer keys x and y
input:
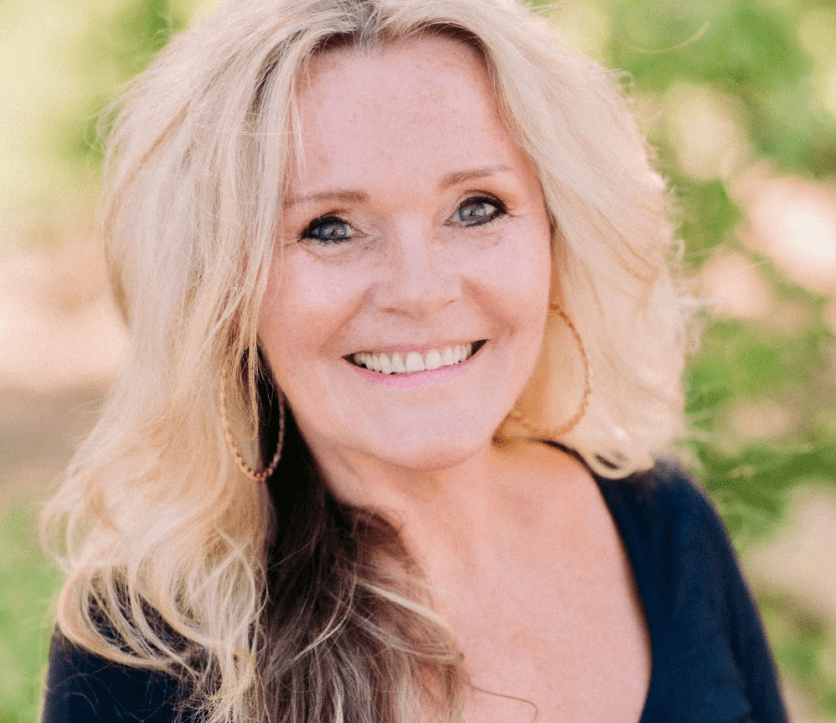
{"x": 371, "y": 254}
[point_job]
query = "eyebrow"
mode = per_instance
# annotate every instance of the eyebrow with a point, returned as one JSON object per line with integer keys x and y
{"x": 344, "y": 196}
{"x": 451, "y": 179}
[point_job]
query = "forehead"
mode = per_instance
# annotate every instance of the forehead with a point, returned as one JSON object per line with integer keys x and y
{"x": 418, "y": 100}
{"x": 368, "y": 65}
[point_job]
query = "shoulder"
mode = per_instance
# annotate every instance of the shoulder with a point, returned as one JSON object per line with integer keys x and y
{"x": 81, "y": 686}
{"x": 674, "y": 536}
{"x": 664, "y": 500}
{"x": 704, "y": 627}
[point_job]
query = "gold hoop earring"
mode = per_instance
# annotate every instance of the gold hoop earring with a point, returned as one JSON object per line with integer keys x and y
{"x": 255, "y": 475}
{"x": 567, "y": 426}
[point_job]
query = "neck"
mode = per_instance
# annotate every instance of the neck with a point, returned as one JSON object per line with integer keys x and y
{"x": 489, "y": 506}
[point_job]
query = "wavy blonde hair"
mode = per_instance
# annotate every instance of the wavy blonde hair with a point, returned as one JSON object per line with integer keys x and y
{"x": 274, "y": 601}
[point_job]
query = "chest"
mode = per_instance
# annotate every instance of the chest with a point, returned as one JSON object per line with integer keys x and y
{"x": 580, "y": 653}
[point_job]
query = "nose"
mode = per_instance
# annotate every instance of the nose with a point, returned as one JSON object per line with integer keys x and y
{"x": 418, "y": 279}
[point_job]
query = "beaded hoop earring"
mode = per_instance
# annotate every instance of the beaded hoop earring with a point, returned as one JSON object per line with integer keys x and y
{"x": 255, "y": 475}
{"x": 556, "y": 432}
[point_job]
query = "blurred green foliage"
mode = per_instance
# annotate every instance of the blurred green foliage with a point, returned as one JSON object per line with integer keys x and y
{"x": 767, "y": 64}
{"x": 27, "y": 587}
{"x": 114, "y": 51}
{"x": 759, "y": 54}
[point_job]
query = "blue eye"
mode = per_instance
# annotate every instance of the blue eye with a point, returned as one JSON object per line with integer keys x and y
{"x": 477, "y": 211}
{"x": 328, "y": 230}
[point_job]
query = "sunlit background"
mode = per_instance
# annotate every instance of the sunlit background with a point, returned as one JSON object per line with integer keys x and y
{"x": 739, "y": 98}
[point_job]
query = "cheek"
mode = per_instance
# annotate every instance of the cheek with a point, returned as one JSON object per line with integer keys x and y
{"x": 272, "y": 329}
{"x": 284, "y": 327}
{"x": 528, "y": 281}
{"x": 524, "y": 276}
{"x": 303, "y": 314}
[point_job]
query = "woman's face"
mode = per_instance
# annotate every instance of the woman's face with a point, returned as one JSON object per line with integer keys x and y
{"x": 409, "y": 308}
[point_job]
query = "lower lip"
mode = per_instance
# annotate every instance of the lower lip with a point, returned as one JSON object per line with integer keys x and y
{"x": 415, "y": 379}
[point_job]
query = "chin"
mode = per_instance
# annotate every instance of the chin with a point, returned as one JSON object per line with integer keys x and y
{"x": 434, "y": 452}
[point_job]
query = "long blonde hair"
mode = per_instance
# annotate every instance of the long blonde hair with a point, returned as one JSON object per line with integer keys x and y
{"x": 274, "y": 601}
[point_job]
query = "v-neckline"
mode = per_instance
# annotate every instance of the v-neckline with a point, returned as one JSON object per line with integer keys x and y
{"x": 608, "y": 489}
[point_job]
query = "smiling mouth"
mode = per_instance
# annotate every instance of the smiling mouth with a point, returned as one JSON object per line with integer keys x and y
{"x": 413, "y": 361}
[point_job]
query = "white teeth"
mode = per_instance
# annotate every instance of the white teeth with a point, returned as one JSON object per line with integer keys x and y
{"x": 433, "y": 360}
{"x": 414, "y": 362}
{"x": 385, "y": 364}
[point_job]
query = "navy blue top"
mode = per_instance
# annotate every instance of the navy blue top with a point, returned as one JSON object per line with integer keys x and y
{"x": 710, "y": 659}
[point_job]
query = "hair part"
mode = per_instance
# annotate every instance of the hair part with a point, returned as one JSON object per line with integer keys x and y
{"x": 275, "y": 602}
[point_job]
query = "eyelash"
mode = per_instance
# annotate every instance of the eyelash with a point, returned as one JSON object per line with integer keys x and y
{"x": 499, "y": 209}
{"x": 334, "y": 220}
{"x": 329, "y": 219}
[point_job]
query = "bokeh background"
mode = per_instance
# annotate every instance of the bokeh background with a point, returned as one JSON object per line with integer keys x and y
{"x": 739, "y": 98}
